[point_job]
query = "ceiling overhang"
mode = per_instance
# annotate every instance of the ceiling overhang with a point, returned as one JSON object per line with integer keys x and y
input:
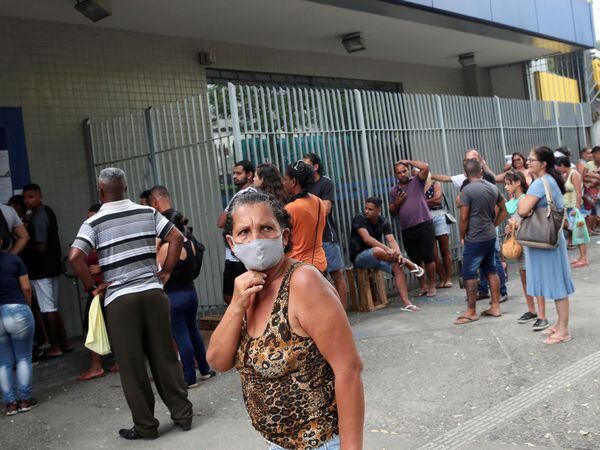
{"x": 392, "y": 32}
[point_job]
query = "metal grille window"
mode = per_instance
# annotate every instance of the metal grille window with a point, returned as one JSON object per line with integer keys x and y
{"x": 560, "y": 77}
{"x": 223, "y": 76}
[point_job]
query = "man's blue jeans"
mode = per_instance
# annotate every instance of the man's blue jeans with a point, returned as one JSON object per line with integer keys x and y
{"x": 16, "y": 340}
{"x": 483, "y": 287}
{"x": 184, "y": 327}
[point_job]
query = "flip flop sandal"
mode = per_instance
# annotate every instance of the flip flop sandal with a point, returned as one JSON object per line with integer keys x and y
{"x": 419, "y": 271}
{"x": 579, "y": 265}
{"x": 421, "y": 294}
{"x": 551, "y": 340}
{"x": 487, "y": 313}
{"x": 446, "y": 285}
{"x": 466, "y": 320}
{"x": 410, "y": 308}
{"x": 548, "y": 332}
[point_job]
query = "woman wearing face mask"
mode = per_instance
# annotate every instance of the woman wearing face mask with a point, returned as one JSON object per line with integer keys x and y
{"x": 299, "y": 367}
{"x": 308, "y": 215}
{"x": 548, "y": 272}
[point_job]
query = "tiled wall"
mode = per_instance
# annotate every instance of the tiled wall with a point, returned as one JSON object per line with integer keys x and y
{"x": 61, "y": 74}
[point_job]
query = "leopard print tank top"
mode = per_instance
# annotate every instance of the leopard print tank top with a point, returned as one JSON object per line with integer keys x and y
{"x": 288, "y": 385}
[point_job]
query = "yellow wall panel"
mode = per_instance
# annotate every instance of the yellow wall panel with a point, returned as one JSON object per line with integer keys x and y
{"x": 552, "y": 87}
{"x": 596, "y": 69}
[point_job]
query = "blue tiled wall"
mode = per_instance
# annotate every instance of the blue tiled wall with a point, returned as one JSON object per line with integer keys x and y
{"x": 569, "y": 20}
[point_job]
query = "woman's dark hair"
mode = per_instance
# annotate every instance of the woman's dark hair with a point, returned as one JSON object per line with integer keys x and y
{"x": 303, "y": 173}
{"x": 563, "y": 161}
{"x": 513, "y": 176}
{"x": 520, "y": 155}
{"x": 95, "y": 208}
{"x": 254, "y": 198}
{"x": 544, "y": 154}
{"x": 272, "y": 182}
{"x": 176, "y": 218}
{"x": 145, "y": 194}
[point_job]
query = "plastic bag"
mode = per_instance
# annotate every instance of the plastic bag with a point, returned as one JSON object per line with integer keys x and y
{"x": 580, "y": 231}
{"x": 97, "y": 336}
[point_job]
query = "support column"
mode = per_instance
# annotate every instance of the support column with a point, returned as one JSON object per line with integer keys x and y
{"x": 363, "y": 142}
{"x": 151, "y": 146}
{"x": 235, "y": 122}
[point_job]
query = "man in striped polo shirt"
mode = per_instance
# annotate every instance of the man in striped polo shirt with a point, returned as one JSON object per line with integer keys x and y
{"x": 137, "y": 309}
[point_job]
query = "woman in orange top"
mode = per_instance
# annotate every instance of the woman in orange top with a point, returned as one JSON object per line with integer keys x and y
{"x": 308, "y": 216}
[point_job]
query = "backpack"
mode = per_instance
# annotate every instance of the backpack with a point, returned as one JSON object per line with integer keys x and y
{"x": 5, "y": 233}
{"x": 199, "y": 248}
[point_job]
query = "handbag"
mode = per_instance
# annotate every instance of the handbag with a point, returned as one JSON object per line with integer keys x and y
{"x": 97, "y": 336}
{"x": 450, "y": 219}
{"x": 542, "y": 227}
{"x": 511, "y": 249}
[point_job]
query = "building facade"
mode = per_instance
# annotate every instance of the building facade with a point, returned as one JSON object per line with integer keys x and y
{"x": 58, "y": 68}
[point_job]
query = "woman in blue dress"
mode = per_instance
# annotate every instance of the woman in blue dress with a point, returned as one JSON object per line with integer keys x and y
{"x": 548, "y": 271}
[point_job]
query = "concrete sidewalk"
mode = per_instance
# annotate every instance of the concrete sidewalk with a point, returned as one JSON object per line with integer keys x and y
{"x": 490, "y": 384}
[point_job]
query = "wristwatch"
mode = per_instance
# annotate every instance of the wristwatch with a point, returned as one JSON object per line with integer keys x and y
{"x": 92, "y": 288}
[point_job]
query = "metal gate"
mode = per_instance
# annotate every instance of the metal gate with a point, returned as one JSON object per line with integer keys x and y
{"x": 190, "y": 146}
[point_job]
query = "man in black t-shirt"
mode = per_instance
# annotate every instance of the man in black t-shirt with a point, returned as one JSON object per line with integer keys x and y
{"x": 43, "y": 258}
{"x": 367, "y": 250}
{"x": 324, "y": 188}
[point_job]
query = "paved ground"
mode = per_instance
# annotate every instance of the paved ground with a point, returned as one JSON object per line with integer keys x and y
{"x": 492, "y": 384}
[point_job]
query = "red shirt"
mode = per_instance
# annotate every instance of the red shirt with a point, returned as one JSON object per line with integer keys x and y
{"x": 92, "y": 260}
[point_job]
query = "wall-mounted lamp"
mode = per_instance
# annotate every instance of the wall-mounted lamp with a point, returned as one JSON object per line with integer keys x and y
{"x": 353, "y": 42}
{"x": 207, "y": 58}
{"x": 94, "y": 10}
{"x": 466, "y": 59}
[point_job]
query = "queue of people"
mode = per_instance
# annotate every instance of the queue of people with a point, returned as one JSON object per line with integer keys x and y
{"x": 299, "y": 366}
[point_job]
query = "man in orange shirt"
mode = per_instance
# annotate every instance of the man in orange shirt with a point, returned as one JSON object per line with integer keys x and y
{"x": 308, "y": 214}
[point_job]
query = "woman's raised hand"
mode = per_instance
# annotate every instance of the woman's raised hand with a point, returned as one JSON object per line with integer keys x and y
{"x": 246, "y": 285}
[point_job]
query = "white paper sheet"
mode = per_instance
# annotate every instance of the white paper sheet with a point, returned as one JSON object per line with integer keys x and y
{"x": 6, "y": 191}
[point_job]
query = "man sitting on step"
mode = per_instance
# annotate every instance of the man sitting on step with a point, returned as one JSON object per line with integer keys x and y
{"x": 367, "y": 250}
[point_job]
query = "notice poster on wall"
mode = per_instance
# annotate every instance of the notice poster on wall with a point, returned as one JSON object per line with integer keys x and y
{"x": 6, "y": 190}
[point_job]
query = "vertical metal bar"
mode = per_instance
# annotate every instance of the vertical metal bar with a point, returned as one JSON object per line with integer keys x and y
{"x": 363, "y": 141}
{"x": 442, "y": 125}
{"x": 557, "y": 124}
{"x": 89, "y": 146}
{"x": 237, "y": 135}
{"x": 585, "y": 141}
{"x": 151, "y": 145}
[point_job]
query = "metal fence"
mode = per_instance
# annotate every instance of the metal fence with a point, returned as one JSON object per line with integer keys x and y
{"x": 191, "y": 145}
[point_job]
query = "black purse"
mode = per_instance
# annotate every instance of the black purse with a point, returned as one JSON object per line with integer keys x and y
{"x": 450, "y": 219}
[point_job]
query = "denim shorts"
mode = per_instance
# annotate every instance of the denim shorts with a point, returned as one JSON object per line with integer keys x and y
{"x": 440, "y": 226}
{"x": 333, "y": 444}
{"x": 479, "y": 256}
{"x": 366, "y": 260}
{"x": 333, "y": 253}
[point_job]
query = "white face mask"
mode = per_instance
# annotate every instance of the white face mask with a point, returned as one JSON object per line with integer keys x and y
{"x": 260, "y": 254}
